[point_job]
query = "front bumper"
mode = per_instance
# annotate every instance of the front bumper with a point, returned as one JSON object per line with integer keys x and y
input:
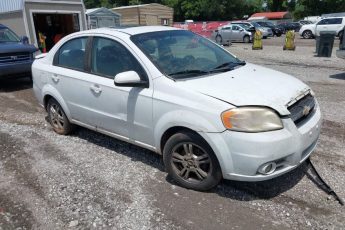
{"x": 15, "y": 69}
{"x": 241, "y": 154}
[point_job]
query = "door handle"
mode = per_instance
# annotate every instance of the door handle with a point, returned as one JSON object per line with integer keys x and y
{"x": 55, "y": 78}
{"x": 96, "y": 89}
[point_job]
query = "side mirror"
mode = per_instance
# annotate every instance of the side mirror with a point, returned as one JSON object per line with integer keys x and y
{"x": 130, "y": 79}
{"x": 241, "y": 30}
{"x": 24, "y": 40}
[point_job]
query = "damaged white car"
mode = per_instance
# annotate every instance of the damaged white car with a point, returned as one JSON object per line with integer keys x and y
{"x": 176, "y": 93}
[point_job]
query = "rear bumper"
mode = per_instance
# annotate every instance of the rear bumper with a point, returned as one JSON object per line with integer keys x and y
{"x": 15, "y": 69}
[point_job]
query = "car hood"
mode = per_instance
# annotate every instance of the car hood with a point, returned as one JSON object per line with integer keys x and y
{"x": 250, "y": 85}
{"x": 16, "y": 47}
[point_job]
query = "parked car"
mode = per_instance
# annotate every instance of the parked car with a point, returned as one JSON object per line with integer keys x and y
{"x": 277, "y": 31}
{"x": 304, "y": 22}
{"x": 16, "y": 55}
{"x": 266, "y": 32}
{"x": 341, "y": 52}
{"x": 286, "y": 26}
{"x": 231, "y": 33}
{"x": 330, "y": 24}
{"x": 181, "y": 95}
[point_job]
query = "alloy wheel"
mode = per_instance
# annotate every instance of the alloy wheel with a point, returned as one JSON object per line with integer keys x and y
{"x": 191, "y": 162}
{"x": 56, "y": 116}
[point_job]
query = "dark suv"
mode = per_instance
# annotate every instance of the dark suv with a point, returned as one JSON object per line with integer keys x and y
{"x": 275, "y": 29}
{"x": 16, "y": 54}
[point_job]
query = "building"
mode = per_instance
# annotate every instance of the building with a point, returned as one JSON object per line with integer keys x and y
{"x": 102, "y": 17}
{"x": 145, "y": 14}
{"x": 274, "y": 16}
{"x": 49, "y": 17}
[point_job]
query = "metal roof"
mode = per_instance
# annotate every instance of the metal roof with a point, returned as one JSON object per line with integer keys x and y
{"x": 90, "y": 12}
{"x": 273, "y": 15}
{"x": 11, "y": 5}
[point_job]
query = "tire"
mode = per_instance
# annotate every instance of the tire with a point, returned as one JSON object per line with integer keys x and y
{"x": 264, "y": 37}
{"x": 180, "y": 155}
{"x": 219, "y": 39}
{"x": 57, "y": 118}
{"x": 278, "y": 35}
{"x": 307, "y": 34}
{"x": 246, "y": 39}
{"x": 340, "y": 34}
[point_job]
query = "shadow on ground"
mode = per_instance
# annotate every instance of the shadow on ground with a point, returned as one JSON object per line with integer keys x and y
{"x": 244, "y": 191}
{"x": 340, "y": 76}
{"x": 247, "y": 191}
{"x": 10, "y": 85}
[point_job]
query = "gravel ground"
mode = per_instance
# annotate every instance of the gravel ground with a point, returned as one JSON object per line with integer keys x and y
{"x": 88, "y": 180}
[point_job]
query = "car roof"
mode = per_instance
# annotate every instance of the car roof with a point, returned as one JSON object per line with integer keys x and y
{"x": 135, "y": 30}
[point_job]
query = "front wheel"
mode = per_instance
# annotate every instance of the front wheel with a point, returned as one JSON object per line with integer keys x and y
{"x": 246, "y": 39}
{"x": 190, "y": 161}
{"x": 57, "y": 118}
{"x": 307, "y": 34}
{"x": 219, "y": 39}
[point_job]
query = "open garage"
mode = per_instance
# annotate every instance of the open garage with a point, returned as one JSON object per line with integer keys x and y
{"x": 52, "y": 19}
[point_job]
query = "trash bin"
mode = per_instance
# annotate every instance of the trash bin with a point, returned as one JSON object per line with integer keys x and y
{"x": 342, "y": 40}
{"x": 324, "y": 44}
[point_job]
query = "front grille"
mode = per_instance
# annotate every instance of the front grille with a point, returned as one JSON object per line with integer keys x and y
{"x": 14, "y": 58}
{"x": 302, "y": 109}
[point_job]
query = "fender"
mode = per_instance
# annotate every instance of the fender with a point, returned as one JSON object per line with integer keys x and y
{"x": 51, "y": 91}
{"x": 190, "y": 120}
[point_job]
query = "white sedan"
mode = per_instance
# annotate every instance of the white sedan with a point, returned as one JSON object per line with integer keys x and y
{"x": 178, "y": 94}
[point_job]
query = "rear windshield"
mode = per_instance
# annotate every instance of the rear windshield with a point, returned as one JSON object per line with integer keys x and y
{"x": 7, "y": 35}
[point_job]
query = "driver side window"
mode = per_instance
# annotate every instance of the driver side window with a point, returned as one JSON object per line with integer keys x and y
{"x": 110, "y": 58}
{"x": 323, "y": 22}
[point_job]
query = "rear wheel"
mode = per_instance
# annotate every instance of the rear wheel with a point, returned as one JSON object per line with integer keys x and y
{"x": 219, "y": 39}
{"x": 246, "y": 39}
{"x": 307, "y": 34}
{"x": 340, "y": 35}
{"x": 190, "y": 161}
{"x": 57, "y": 118}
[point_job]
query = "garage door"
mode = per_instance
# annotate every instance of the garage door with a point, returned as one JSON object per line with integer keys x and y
{"x": 151, "y": 20}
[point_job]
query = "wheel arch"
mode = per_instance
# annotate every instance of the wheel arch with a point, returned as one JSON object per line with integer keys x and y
{"x": 50, "y": 92}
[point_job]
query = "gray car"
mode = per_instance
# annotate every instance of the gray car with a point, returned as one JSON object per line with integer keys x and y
{"x": 231, "y": 33}
{"x": 266, "y": 32}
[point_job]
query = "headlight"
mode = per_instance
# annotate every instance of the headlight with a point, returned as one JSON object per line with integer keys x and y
{"x": 251, "y": 119}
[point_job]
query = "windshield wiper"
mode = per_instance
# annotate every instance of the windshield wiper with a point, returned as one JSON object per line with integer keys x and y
{"x": 189, "y": 72}
{"x": 230, "y": 65}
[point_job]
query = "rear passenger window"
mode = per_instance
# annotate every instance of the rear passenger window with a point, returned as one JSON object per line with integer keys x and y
{"x": 335, "y": 21}
{"x": 110, "y": 58}
{"x": 72, "y": 54}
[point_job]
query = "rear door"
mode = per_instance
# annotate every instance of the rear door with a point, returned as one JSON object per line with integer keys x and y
{"x": 70, "y": 79}
{"x": 329, "y": 25}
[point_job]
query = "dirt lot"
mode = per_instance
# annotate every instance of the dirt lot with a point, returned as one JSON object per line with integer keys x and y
{"x": 88, "y": 180}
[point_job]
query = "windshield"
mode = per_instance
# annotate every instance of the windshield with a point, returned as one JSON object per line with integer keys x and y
{"x": 7, "y": 35}
{"x": 182, "y": 54}
{"x": 255, "y": 24}
{"x": 268, "y": 23}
